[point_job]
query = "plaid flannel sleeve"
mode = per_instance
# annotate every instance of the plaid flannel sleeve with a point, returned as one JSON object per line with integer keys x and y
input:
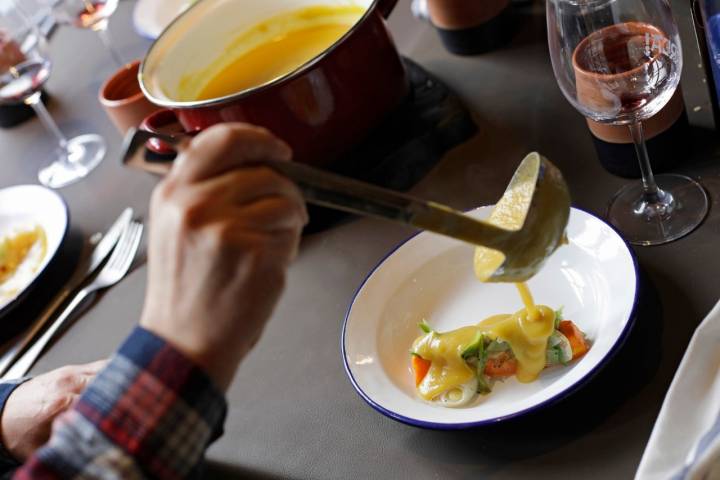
{"x": 150, "y": 413}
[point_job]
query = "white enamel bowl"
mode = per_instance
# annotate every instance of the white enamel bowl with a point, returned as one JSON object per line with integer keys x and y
{"x": 26, "y": 206}
{"x": 594, "y": 279}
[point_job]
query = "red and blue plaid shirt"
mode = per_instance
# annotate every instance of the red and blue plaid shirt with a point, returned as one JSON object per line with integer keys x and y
{"x": 151, "y": 413}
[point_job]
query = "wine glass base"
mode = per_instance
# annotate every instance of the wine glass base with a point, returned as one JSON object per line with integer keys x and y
{"x": 647, "y": 224}
{"x": 81, "y": 156}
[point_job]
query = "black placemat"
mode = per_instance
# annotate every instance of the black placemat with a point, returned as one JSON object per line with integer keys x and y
{"x": 12, "y": 115}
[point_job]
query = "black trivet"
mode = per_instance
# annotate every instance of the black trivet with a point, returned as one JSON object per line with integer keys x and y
{"x": 408, "y": 143}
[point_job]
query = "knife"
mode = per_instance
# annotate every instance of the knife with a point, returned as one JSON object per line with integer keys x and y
{"x": 99, "y": 254}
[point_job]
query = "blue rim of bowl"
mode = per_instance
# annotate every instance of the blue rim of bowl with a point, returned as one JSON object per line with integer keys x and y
{"x": 622, "y": 338}
{"x": 10, "y": 306}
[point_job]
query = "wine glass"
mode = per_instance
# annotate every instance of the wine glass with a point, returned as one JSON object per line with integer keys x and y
{"x": 92, "y": 15}
{"x": 619, "y": 62}
{"x": 24, "y": 69}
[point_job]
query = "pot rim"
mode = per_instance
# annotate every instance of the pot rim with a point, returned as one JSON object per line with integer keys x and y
{"x": 300, "y": 70}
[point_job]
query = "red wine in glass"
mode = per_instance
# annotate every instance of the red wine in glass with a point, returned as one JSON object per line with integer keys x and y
{"x": 92, "y": 12}
{"x": 619, "y": 62}
{"x": 92, "y": 15}
{"x": 625, "y": 72}
{"x": 22, "y": 77}
{"x": 21, "y": 81}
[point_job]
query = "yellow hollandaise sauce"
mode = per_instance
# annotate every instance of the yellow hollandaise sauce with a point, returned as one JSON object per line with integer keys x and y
{"x": 14, "y": 250}
{"x": 526, "y": 331}
{"x": 509, "y": 213}
{"x": 270, "y": 50}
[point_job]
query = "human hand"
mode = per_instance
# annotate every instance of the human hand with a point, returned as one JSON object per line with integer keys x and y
{"x": 32, "y": 407}
{"x": 223, "y": 231}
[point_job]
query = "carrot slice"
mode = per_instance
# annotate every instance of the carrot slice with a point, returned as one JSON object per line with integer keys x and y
{"x": 502, "y": 365}
{"x": 420, "y": 367}
{"x": 576, "y": 338}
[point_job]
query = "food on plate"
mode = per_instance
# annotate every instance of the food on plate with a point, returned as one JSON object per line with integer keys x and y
{"x": 270, "y": 49}
{"x": 451, "y": 368}
{"x": 21, "y": 255}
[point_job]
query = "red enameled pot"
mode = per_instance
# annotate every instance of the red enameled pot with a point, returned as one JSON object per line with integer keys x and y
{"x": 321, "y": 109}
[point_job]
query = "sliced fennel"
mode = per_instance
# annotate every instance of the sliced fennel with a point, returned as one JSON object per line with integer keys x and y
{"x": 559, "y": 350}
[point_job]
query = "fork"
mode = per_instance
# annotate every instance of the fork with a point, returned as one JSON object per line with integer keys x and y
{"x": 113, "y": 271}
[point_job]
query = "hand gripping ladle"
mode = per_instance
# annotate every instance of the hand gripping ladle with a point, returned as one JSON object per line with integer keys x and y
{"x": 526, "y": 227}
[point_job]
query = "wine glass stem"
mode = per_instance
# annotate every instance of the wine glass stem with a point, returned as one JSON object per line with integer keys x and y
{"x": 107, "y": 41}
{"x": 35, "y": 101}
{"x": 650, "y": 188}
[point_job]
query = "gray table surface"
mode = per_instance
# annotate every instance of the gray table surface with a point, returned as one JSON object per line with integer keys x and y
{"x": 293, "y": 413}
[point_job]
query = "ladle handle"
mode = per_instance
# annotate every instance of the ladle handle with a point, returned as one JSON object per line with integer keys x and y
{"x": 326, "y": 189}
{"x": 342, "y": 193}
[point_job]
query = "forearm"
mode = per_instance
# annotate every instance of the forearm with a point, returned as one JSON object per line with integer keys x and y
{"x": 150, "y": 413}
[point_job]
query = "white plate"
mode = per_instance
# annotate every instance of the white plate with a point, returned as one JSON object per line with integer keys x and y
{"x": 151, "y": 17}
{"x": 26, "y": 206}
{"x": 431, "y": 277}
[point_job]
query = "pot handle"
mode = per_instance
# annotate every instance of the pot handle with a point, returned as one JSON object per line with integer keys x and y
{"x": 163, "y": 121}
{"x": 385, "y": 7}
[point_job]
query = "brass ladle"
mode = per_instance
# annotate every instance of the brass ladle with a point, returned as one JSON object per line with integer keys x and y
{"x": 537, "y": 198}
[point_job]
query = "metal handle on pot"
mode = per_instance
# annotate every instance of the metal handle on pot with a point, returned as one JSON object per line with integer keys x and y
{"x": 163, "y": 122}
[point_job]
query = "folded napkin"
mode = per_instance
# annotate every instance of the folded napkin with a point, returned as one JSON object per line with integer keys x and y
{"x": 685, "y": 442}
